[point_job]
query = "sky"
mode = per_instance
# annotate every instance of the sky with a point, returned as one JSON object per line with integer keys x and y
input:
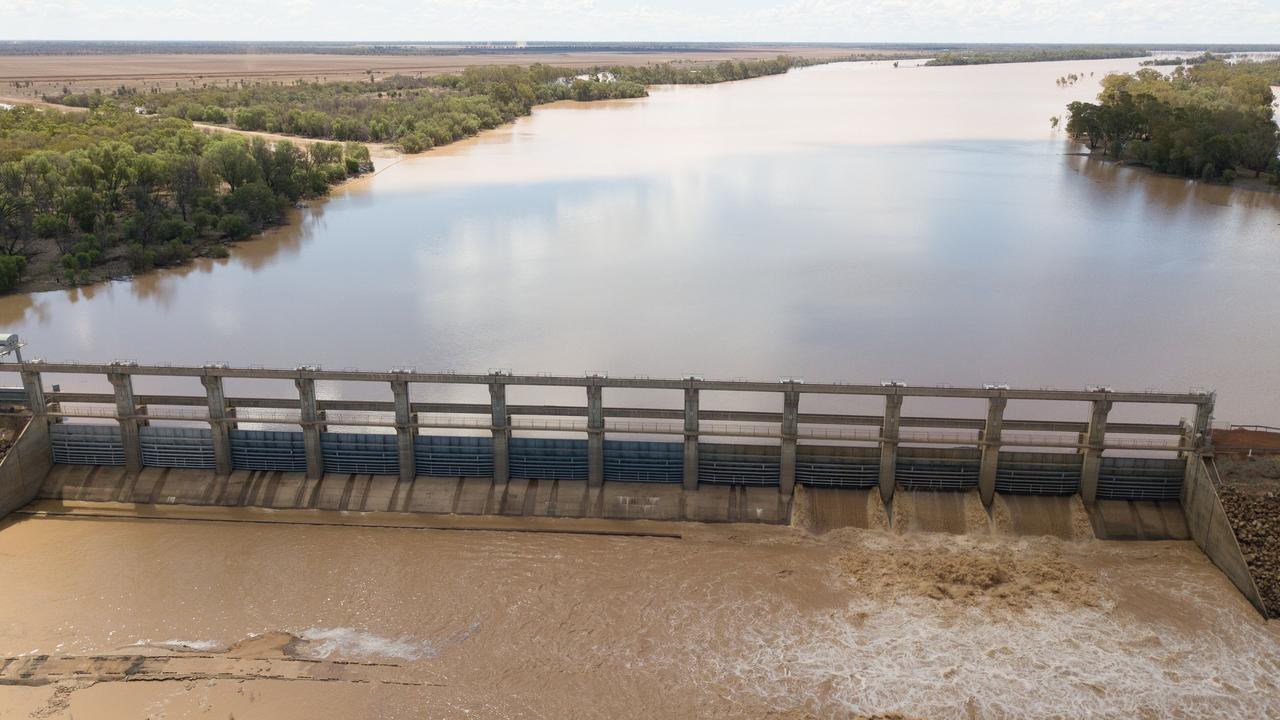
{"x": 1078, "y": 21}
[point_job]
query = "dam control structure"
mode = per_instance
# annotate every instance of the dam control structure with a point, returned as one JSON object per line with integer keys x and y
{"x": 317, "y": 448}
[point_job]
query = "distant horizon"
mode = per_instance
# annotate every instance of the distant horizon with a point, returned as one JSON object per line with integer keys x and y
{"x": 511, "y": 44}
{"x": 1106, "y": 22}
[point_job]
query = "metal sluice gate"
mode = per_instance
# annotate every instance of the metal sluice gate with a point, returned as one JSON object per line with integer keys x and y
{"x": 625, "y": 461}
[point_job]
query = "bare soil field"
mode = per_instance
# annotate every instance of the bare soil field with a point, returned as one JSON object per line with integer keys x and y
{"x": 35, "y": 75}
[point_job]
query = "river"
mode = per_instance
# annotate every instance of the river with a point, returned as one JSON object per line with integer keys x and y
{"x": 849, "y": 222}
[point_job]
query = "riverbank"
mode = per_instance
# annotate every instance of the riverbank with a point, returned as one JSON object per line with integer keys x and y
{"x": 471, "y": 107}
{"x": 1265, "y": 183}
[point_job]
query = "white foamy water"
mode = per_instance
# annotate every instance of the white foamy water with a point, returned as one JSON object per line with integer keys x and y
{"x": 180, "y": 645}
{"x": 351, "y": 643}
{"x": 923, "y": 658}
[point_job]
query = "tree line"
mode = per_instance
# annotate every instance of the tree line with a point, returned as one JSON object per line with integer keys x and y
{"x": 416, "y": 113}
{"x": 1209, "y": 121}
{"x": 1025, "y": 55}
{"x": 111, "y": 187}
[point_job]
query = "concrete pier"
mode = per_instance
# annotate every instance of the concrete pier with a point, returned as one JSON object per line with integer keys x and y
{"x": 787, "y": 457}
{"x": 1094, "y": 442}
{"x": 501, "y": 432}
{"x": 405, "y": 431}
{"x": 889, "y": 446}
{"x": 990, "y": 443}
{"x": 218, "y": 425}
{"x": 311, "y": 418}
{"x": 595, "y": 436}
{"x": 127, "y": 417}
{"x": 691, "y": 426}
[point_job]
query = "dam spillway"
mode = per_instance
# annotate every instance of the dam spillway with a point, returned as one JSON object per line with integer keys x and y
{"x": 1061, "y": 474}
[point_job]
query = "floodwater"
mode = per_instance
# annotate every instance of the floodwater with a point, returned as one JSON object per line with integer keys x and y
{"x": 850, "y": 222}
{"x": 281, "y": 621}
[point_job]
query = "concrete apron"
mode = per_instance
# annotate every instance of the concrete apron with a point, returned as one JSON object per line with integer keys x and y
{"x": 816, "y": 509}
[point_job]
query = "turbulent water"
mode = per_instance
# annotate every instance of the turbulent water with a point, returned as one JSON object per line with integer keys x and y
{"x": 849, "y": 222}
{"x": 738, "y": 622}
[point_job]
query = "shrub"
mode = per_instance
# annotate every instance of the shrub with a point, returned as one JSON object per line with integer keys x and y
{"x": 234, "y": 226}
{"x": 11, "y": 267}
{"x": 141, "y": 258}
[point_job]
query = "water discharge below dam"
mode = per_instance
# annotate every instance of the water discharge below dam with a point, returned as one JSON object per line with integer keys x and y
{"x": 736, "y": 621}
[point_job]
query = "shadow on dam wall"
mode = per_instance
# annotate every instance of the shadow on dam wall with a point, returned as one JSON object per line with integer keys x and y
{"x": 815, "y": 509}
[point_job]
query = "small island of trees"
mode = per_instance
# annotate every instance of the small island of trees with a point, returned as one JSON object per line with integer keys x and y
{"x": 1209, "y": 121}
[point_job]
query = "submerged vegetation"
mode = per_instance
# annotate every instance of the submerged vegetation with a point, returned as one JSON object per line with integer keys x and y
{"x": 1208, "y": 121}
{"x": 417, "y": 113}
{"x": 1024, "y": 55}
{"x": 94, "y": 193}
{"x": 1179, "y": 60}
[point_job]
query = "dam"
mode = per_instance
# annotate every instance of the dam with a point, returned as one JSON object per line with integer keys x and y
{"x": 1064, "y": 475}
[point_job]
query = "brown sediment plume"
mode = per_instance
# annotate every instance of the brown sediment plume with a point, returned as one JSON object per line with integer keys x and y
{"x": 974, "y": 575}
{"x": 877, "y": 512}
{"x": 901, "y": 509}
{"x": 976, "y": 519}
{"x": 1081, "y": 527}
{"x": 1001, "y": 519}
{"x": 802, "y": 509}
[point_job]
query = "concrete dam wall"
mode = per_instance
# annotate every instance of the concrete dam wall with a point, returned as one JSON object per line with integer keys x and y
{"x": 1070, "y": 477}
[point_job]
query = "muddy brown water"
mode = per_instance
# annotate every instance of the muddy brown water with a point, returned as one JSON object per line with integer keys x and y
{"x": 847, "y": 222}
{"x": 282, "y": 621}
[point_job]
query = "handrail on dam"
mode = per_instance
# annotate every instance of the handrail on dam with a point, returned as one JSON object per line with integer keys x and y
{"x": 1089, "y": 437}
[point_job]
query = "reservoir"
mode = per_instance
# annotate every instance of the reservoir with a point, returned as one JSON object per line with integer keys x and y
{"x": 848, "y": 222}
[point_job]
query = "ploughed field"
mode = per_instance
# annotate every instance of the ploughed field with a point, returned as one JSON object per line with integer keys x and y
{"x": 279, "y": 620}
